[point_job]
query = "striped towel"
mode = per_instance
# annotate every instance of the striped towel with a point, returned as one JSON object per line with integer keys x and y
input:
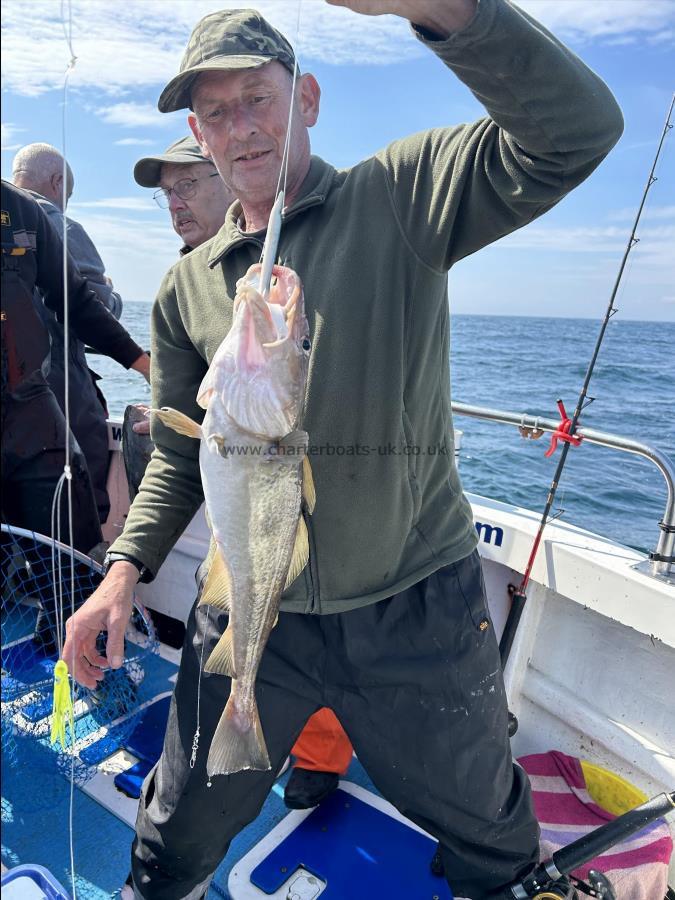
{"x": 637, "y": 868}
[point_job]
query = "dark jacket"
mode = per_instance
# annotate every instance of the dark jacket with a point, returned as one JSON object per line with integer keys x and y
{"x": 32, "y": 256}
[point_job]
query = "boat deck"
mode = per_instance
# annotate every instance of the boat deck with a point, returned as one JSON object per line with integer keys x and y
{"x": 102, "y": 841}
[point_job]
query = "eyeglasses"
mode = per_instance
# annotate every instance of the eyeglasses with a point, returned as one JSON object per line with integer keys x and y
{"x": 186, "y": 189}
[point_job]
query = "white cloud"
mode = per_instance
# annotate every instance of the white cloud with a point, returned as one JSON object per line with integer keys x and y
{"x": 649, "y": 214}
{"x": 134, "y": 115}
{"x": 136, "y": 250}
{"x": 586, "y": 239}
{"x": 134, "y": 142}
{"x": 140, "y": 204}
{"x": 604, "y": 19}
{"x": 9, "y": 133}
{"x": 136, "y": 44}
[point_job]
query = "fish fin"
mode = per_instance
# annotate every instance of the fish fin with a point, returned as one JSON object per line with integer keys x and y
{"x": 221, "y": 658}
{"x": 294, "y": 445}
{"x": 218, "y": 585}
{"x": 238, "y": 743}
{"x": 300, "y": 552}
{"x": 308, "y": 489}
{"x": 207, "y": 388}
{"x": 178, "y": 421}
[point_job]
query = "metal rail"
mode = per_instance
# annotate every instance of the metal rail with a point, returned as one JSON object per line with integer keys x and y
{"x": 536, "y": 425}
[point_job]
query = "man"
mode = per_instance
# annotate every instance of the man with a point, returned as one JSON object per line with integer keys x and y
{"x": 38, "y": 168}
{"x": 197, "y": 198}
{"x": 33, "y": 426}
{"x": 388, "y": 625}
{"x": 190, "y": 187}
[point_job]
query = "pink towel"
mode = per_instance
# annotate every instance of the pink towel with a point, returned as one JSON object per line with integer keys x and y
{"x": 637, "y": 868}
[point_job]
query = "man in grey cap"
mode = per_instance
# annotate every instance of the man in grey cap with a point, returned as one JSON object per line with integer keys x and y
{"x": 190, "y": 187}
{"x": 388, "y": 625}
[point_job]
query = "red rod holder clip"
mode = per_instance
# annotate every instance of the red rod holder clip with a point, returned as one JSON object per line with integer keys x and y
{"x": 562, "y": 433}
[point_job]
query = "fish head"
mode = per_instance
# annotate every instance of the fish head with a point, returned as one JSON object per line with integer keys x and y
{"x": 264, "y": 361}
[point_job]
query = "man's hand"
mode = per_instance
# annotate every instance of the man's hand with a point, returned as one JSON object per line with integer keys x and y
{"x": 108, "y": 609}
{"x": 441, "y": 17}
{"x": 142, "y": 365}
{"x": 142, "y": 427}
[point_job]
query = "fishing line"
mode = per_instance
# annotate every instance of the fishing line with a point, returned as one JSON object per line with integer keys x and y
{"x": 195, "y": 738}
{"x": 289, "y": 127}
{"x": 66, "y": 477}
{"x": 283, "y": 169}
{"x": 567, "y": 429}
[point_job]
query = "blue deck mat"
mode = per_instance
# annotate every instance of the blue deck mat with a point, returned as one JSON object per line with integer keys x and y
{"x": 359, "y": 851}
{"x": 27, "y": 662}
{"x": 99, "y": 874}
{"x": 147, "y": 738}
{"x": 131, "y": 781}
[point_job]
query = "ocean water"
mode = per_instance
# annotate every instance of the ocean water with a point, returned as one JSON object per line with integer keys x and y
{"x": 523, "y": 365}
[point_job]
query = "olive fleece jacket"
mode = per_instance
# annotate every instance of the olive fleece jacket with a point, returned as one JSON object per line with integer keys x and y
{"x": 373, "y": 245}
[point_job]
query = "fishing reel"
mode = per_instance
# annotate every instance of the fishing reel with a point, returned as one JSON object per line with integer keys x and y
{"x": 598, "y": 886}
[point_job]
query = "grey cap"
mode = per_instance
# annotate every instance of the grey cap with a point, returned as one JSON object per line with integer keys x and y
{"x": 148, "y": 171}
{"x": 228, "y": 39}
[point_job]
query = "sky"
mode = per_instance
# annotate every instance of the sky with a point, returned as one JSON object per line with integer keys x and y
{"x": 378, "y": 83}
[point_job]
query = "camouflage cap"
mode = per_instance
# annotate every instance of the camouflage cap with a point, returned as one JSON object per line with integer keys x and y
{"x": 148, "y": 171}
{"x": 229, "y": 39}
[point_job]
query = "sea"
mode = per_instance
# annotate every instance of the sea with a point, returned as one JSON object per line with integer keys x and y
{"x": 524, "y": 364}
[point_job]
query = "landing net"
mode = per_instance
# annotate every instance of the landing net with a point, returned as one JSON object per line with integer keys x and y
{"x": 104, "y": 718}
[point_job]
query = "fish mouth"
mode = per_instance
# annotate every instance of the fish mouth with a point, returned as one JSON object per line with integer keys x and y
{"x": 280, "y": 314}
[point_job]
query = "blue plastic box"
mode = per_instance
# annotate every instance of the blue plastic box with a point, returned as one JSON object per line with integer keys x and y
{"x": 31, "y": 883}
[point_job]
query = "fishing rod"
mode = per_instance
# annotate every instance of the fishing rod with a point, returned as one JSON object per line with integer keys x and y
{"x": 549, "y": 881}
{"x": 566, "y": 430}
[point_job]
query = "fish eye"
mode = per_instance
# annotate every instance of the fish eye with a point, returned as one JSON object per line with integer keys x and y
{"x": 306, "y": 345}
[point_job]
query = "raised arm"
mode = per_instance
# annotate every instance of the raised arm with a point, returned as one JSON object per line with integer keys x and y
{"x": 440, "y": 17}
{"x": 551, "y": 121}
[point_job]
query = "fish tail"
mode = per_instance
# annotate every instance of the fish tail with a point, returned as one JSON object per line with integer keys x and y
{"x": 238, "y": 742}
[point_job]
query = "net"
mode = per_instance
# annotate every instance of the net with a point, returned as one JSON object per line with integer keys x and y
{"x": 105, "y": 718}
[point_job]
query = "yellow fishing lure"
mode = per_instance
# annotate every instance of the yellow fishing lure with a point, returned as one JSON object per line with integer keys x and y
{"x": 62, "y": 706}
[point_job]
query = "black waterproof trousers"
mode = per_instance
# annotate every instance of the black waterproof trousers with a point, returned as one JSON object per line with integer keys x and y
{"x": 415, "y": 681}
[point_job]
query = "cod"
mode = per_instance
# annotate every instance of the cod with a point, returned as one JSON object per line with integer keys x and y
{"x": 257, "y": 482}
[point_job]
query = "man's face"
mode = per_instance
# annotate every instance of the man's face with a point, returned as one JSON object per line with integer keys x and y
{"x": 199, "y": 218}
{"x": 240, "y": 120}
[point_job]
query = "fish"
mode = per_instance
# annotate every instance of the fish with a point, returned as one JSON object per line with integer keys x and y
{"x": 136, "y": 449}
{"x": 258, "y": 487}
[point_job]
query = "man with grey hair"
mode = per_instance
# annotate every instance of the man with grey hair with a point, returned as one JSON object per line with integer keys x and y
{"x": 39, "y": 169}
{"x": 190, "y": 187}
{"x": 389, "y": 623}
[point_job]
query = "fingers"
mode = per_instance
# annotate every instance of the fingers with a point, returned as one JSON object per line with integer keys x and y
{"x": 115, "y": 644}
{"x": 80, "y": 655}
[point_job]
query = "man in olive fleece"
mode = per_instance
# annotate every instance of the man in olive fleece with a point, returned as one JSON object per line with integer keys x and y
{"x": 388, "y": 625}
{"x": 197, "y": 202}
